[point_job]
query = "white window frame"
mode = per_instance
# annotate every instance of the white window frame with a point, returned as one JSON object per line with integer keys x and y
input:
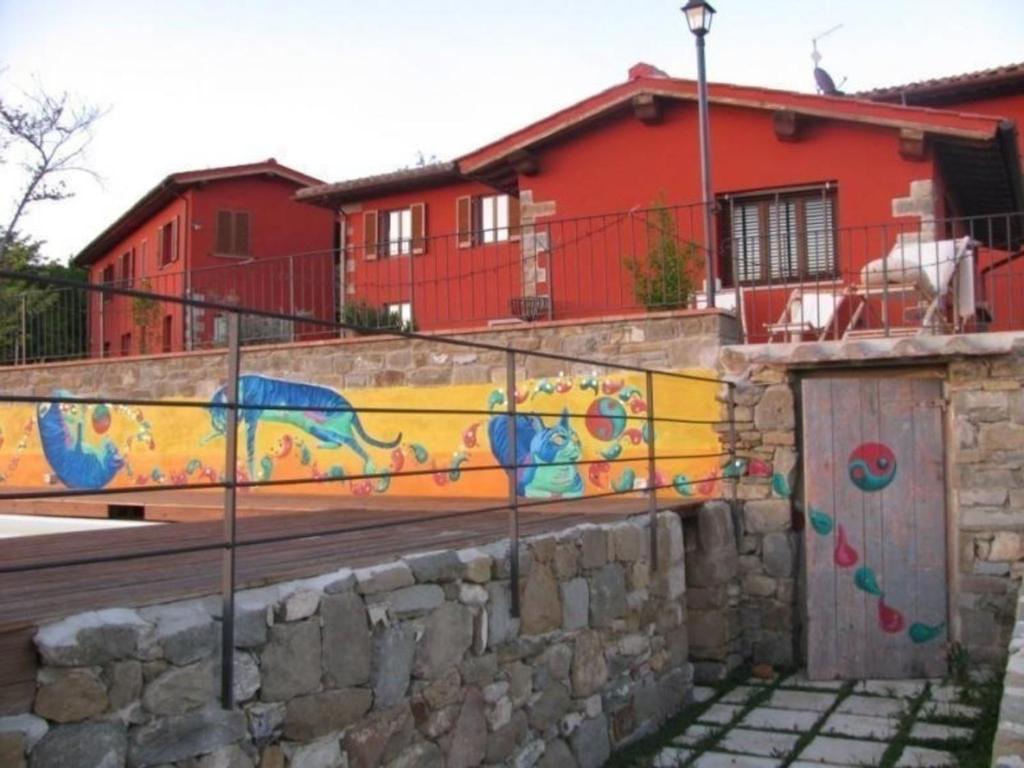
{"x": 398, "y": 228}
{"x": 403, "y": 310}
{"x": 494, "y": 218}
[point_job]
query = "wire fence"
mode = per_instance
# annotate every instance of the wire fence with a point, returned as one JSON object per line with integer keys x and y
{"x": 514, "y": 417}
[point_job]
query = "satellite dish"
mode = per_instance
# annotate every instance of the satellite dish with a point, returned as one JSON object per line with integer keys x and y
{"x": 825, "y": 82}
{"x": 823, "y": 79}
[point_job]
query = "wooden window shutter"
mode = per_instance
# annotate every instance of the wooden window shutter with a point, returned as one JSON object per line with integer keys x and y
{"x": 370, "y": 238}
{"x": 241, "y": 242}
{"x": 223, "y": 232}
{"x": 514, "y": 225}
{"x": 419, "y": 227}
{"x": 160, "y": 256}
{"x": 464, "y": 221}
{"x": 174, "y": 240}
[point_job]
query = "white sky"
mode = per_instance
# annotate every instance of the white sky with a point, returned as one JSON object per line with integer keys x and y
{"x": 342, "y": 89}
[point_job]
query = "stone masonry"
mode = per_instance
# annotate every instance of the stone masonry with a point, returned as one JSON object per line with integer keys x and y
{"x": 411, "y": 663}
{"x": 384, "y": 361}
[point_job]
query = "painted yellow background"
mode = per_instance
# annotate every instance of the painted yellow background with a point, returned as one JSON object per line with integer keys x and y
{"x": 165, "y": 445}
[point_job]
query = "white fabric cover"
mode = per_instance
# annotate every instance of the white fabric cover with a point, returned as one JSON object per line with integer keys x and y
{"x": 929, "y": 266}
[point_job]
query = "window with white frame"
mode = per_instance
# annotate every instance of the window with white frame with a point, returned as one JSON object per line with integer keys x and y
{"x": 782, "y": 236}
{"x": 401, "y": 311}
{"x": 493, "y": 218}
{"x": 398, "y": 232}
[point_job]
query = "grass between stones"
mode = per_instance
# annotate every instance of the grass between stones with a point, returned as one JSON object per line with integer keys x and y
{"x": 985, "y": 695}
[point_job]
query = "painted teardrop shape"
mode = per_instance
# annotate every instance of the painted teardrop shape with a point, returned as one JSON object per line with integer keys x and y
{"x": 759, "y": 468}
{"x": 889, "y": 618}
{"x": 734, "y": 468}
{"x": 821, "y": 522}
{"x": 845, "y": 556}
{"x": 922, "y": 633}
{"x": 625, "y": 481}
{"x": 682, "y": 485}
{"x": 866, "y": 581}
{"x": 781, "y": 485}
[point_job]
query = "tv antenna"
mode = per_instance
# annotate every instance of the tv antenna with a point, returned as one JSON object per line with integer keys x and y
{"x": 822, "y": 78}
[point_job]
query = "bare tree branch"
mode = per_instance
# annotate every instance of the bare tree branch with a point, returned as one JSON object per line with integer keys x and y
{"x": 50, "y": 134}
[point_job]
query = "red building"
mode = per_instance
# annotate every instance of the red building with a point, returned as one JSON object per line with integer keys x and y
{"x": 567, "y": 217}
{"x": 233, "y": 234}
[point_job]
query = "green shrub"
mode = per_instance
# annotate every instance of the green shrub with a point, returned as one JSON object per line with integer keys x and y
{"x": 663, "y": 278}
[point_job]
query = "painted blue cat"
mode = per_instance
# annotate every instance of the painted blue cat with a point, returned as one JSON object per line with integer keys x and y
{"x": 549, "y": 454}
{"x": 324, "y": 414}
{"x": 76, "y": 464}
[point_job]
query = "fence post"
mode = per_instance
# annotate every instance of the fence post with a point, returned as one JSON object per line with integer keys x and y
{"x": 291, "y": 293}
{"x": 549, "y": 251}
{"x": 734, "y": 507}
{"x": 513, "y": 479}
{"x": 227, "y": 641}
{"x": 24, "y": 331}
{"x": 652, "y": 482}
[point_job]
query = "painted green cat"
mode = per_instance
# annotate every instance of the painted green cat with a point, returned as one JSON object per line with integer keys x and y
{"x": 546, "y": 455}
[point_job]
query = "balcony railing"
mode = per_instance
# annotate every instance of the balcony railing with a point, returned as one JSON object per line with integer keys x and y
{"x": 955, "y": 275}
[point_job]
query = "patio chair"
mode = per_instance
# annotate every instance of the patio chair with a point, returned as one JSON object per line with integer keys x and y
{"x": 807, "y": 312}
{"x": 933, "y": 271}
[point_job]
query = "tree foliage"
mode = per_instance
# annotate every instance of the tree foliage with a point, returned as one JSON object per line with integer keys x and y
{"x": 45, "y": 137}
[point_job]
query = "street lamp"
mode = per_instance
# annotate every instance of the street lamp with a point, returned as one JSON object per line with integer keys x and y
{"x": 698, "y": 17}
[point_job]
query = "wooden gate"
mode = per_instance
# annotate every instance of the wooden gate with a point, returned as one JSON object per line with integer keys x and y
{"x": 875, "y": 539}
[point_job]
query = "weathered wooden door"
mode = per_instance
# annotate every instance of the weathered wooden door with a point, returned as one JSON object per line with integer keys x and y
{"x": 875, "y": 539}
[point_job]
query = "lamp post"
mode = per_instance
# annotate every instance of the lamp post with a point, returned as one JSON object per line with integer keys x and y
{"x": 698, "y": 17}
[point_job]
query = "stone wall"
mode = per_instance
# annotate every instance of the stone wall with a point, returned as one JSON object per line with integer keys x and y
{"x": 668, "y": 340}
{"x": 410, "y": 663}
{"x": 743, "y": 558}
{"x": 987, "y": 478}
{"x": 1008, "y": 747}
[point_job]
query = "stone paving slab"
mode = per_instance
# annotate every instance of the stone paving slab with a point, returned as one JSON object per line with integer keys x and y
{"x": 872, "y": 706}
{"x": 934, "y": 732}
{"x": 861, "y": 726}
{"x": 805, "y": 700}
{"x": 906, "y": 689}
{"x": 695, "y": 733}
{"x": 702, "y": 693}
{"x": 921, "y": 757}
{"x": 764, "y": 743}
{"x": 670, "y": 757}
{"x": 804, "y": 764}
{"x": 931, "y": 710}
{"x": 723, "y": 760}
{"x": 800, "y": 680}
{"x": 739, "y": 695}
{"x": 719, "y": 713}
{"x": 834, "y": 751}
{"x": 947, "y": 693}
{"x": 771, "y": 719}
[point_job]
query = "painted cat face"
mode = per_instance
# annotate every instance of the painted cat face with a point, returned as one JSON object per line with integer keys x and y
{"x": 556, "y": 443}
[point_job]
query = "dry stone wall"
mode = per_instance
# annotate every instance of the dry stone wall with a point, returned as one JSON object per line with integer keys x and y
{"x": 410, "y": 663}
{"x": 742, "y": 557}
{"x": 665, "y": 340}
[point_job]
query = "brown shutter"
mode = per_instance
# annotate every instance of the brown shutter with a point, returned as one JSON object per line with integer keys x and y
{"x": 174, "y": 240}
{"x": 241, "y": 241}
{"x": 370, "y": 241}
{"x": 160, "y": 246}
{"x": 464, "y": 221}
{"x": 223, "y": 232}
{"x": 514, "y": 227}
{"x": 419, "y": 227}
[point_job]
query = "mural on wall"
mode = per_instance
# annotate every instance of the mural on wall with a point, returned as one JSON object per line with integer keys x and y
{"x": 574, "y": 436}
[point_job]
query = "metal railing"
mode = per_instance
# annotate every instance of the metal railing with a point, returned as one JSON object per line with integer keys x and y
{"x": 235, "y": 403}
{"x": 948, "y": 276}
{"x": 783, "y": 281}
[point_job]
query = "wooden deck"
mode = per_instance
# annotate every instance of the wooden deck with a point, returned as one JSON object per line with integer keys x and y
{"x": 352, "y": 532}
